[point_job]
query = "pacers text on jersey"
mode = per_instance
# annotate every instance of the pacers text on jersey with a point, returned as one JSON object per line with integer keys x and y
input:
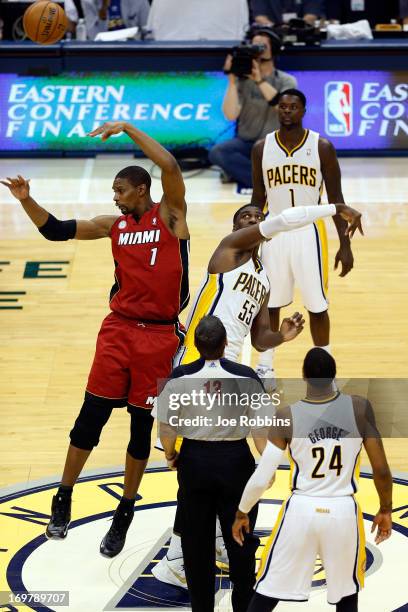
{"x": 291, "y": 174}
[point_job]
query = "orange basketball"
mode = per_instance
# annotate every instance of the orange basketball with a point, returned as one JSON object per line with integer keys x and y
{"x": 45, "y": 22}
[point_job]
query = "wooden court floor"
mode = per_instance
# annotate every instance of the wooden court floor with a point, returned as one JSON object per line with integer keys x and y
{"x": 61, "y": 295}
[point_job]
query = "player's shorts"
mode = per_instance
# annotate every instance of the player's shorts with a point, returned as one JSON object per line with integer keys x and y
{"x": 331, "y": 527}
{"x": 130, "y": 358}
{"x": 300, "y": 258}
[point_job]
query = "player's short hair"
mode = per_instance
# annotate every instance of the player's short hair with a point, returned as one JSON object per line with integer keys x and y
{"x": 319, "y": 367}
{"x": 136, "y": 175}
{"x": 293, "y": 92}
{"x": 210, "y": 337}
{"x": 238, "y": 212}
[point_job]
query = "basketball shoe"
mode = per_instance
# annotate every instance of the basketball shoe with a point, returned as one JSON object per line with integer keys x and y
{"x": 115, "y": 539}
{"x": 57, "y": 528}
{"x": 171, "y": 572}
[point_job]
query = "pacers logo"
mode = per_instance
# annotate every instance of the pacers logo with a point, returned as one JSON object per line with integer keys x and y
{"x": 29, "y": 563}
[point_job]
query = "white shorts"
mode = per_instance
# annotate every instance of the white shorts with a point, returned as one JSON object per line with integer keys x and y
{"x": 331, "y": 527}
{"x": 298, "y": 257}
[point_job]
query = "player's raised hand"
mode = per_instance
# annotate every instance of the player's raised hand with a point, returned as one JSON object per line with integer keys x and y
{"x": 108, "y": 129}
{"x": 292, "y": 326}
{"x": 353, "y": 218}
{"x": 383, "y": 522}
{"x": 19, "y": 187}
{"x": 240, "y": 527}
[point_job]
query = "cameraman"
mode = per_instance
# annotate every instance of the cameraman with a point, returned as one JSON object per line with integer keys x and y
{"x": 251, "y": 100}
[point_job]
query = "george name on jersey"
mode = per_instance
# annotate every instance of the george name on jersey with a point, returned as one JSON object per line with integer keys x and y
{"x": 247, "y": 283}
{"x": 291, "y": 174}
{"x": 326, "y": 433}
{"x": 146, "y": 237}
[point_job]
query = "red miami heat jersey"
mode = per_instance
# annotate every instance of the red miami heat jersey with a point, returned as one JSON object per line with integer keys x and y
{"x": 151, "y": 269}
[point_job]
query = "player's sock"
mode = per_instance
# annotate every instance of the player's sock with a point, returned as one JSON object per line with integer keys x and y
{"x": 126, "y": 503}
{"x": 65, "y": 491}
{"x": 265, "y": 359}
{"x": 348, "y": 604}
{"x": 261, "y": 603}
{"x": 326, "y": 348}
{"x": 174, "y": 551}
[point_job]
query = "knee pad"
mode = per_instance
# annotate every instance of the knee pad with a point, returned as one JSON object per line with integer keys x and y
{"x": 141, "y": 423}
{"x": 94, "y": 414}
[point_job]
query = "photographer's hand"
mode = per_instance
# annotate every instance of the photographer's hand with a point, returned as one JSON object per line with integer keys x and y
{"x": 256, "y": 72}
{"x": 267, "y": 90}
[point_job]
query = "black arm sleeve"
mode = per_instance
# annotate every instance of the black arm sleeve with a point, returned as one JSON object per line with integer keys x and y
{"x": 57, "y": 230}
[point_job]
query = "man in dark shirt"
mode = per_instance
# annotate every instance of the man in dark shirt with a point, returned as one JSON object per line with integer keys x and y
{"x": 251, "y": 101}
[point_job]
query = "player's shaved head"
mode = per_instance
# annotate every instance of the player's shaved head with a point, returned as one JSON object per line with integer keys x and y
{"x": 136, "y": 175}
{"x": 319, "y": 367}
{"x": 240, "y": 210}
{"x": 210, "y": 337}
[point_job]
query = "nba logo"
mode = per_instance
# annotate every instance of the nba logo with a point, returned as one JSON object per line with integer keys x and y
{"x": 338, "y": 108}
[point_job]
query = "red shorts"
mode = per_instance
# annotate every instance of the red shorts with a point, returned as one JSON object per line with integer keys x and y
{"x": 130, "y": 358}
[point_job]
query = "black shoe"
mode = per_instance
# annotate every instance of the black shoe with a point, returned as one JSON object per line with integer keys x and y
{"x": 115, "y": 539}
{"x": 226, "y": 179}
{"x": 60, "y": 517}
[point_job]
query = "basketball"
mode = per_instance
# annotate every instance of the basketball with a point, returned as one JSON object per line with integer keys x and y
{"x": 45, "y": 22}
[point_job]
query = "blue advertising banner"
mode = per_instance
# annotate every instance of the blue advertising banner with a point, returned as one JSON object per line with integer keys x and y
{"x": 356, "y": 110}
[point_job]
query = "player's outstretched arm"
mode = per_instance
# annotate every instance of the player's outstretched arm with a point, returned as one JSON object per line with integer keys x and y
{"x": 52, "y": 228}
{"x": 263, "y": 338}
{"x": 259, "y": 192}
{"x": 290, "y": 219}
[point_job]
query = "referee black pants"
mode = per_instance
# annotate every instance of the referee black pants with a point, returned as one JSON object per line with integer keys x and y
{"x": 212, "y": 477}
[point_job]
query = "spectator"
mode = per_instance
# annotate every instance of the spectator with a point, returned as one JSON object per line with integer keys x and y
{"x": 108, "y": 15}
{"x": 252, "y": 101}
{"x": 269, "y": 12}
{"x": 404, "y": 11}
{"x": 198, "y": 20}
{"x": 348, "y": 11}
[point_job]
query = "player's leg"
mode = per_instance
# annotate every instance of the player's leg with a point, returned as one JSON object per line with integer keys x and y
{"x": 288, "y": 560}
{"x": 320, "y": 329}
{"x": 107, "y": 388}
{"x": 348, "y": 604}
{"x": 137, "y": 455}
{"x": 152, "y": 351}
{"x": 275, "y": 255}
{"x": 260, "y": 603}
{"x": 310, "y": 270}
{"x": 170, "y": 568}
{"x": 266, "y": 359}
{"x": 344, "y": 555}
{"x": 85, "y": 435}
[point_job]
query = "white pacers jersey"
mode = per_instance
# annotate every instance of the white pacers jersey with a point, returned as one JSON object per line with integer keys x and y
{"x": 236, "y": 298}
{"x": 325, "y": 447}
{"x": 291, "y": 178}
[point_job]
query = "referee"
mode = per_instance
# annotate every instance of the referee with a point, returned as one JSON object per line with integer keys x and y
{"x": 214, "y": 462}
